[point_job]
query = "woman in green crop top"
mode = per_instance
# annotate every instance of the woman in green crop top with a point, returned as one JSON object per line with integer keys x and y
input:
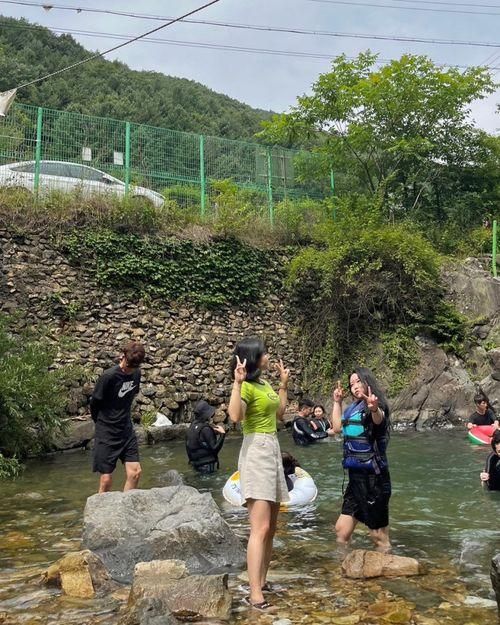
{"x": 256, "y": 405}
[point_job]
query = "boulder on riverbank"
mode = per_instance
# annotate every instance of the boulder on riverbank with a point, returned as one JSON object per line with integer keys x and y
{"x": 169, "y": 586}
{"x": 81, "y": 574}
{"x": 176, "y": 522}
{"x": 363, "y": 564}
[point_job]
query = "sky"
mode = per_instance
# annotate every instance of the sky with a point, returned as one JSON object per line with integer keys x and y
{"x": 273, "y": 82}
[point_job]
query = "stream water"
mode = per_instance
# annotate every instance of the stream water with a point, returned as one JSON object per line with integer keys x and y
{"x": 439, "y": 514}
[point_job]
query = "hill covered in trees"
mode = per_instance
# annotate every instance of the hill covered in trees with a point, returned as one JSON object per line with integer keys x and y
{"x": 112, "y": 89}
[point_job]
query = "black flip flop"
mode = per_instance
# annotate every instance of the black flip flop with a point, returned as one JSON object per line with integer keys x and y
{"x": 263, "y": 606}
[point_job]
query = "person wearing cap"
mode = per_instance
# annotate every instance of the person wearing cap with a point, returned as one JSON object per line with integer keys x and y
{"x": 203, "y": 440}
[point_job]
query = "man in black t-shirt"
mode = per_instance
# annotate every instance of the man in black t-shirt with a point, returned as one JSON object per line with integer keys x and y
{"x": 110, "y": 407}
{"x": 484, "y": 415}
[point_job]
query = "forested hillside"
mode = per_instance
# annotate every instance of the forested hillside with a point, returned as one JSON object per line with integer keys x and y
{"x": 111, "y": 89}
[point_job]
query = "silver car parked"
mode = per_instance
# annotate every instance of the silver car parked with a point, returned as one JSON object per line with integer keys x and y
{"x": 64, "y": 176}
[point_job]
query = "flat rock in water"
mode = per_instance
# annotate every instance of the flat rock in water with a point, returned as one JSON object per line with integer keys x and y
{"x": 80, "y": 574}
{"x": 175, "y": 522}
{"x": 363, "y": 564}
{"x": 185, "y": 596}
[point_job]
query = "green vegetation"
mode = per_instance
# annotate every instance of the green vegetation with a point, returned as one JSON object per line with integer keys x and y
{"x": 221, "y": 273}
{"x": 33, "y": 397}
{"x": 111, "y": 89}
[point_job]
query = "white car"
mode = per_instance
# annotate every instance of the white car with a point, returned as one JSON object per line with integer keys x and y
{"x": 63, "y": 176}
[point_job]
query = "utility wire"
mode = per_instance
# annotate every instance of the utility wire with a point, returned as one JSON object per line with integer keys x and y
{"x": 324, "y": 33}
{"x": 121, "y": 45}
{"x": 408, "y": 8}
{"x": 214, "y": 46}
{"x": 360, "y": 3}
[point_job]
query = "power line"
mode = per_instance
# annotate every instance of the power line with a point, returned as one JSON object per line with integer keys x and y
{"x": 408, "y": 8}
{"x": 360, "y": 3}
{"x": 324, "y": 33}
{"x": 461, "y": 4}
{"x": 214, "y": 46}
{"x": 121, "y": 45}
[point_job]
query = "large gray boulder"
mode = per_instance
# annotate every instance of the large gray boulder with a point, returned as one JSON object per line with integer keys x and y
{"x": 176, "y": 522}
{"x": 495, "y": 577}
{"x": 440, "y": 392}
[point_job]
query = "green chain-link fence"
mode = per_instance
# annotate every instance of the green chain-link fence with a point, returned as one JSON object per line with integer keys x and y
{"x": 184, "y": 167}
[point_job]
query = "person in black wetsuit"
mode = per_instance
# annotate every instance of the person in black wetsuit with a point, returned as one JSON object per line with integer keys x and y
{"x": 110, "y": 408}
{"x": 491, "y": 474}
{"x": 484, "y": 414}
{"x": 304, "y": 431}
{"x": 204, "y": 441}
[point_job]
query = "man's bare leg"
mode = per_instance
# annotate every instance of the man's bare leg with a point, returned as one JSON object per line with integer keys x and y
{"x": 105, "y": 482}
{"x": 133, "y": 472}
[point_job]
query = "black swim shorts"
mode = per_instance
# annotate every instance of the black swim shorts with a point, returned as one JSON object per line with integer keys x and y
{"x": 107, "y": 454}
{"x": 367, "y": 499}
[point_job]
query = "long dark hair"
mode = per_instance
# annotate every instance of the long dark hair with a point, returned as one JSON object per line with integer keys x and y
{"x": 251, "y": 350}
{"x": 289, "y": 462}
{"x": 366, "y": 376}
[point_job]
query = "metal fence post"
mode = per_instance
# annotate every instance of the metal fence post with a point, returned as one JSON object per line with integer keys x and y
{"x": 494, "y": 250}
{"x": 127, "y": 157}
{"x": 38, "y": 148}
{"x": 270, "y": 188}
{"x": 332, "y": 187}
{"x": 202, "y": 175}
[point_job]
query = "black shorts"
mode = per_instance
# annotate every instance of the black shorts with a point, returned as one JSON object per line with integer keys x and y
{"x": 107, "y": 454}
{"x": 367, "y": 499}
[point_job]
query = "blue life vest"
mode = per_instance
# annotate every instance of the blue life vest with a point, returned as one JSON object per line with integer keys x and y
{"x": 363, "y": 449}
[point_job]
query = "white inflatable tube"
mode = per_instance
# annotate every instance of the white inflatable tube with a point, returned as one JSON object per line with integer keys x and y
{"x": 304, "y": 489}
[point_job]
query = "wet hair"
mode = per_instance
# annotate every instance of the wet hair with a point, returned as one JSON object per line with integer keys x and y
{"x": 319, "y": 406}
{"x": 251, "y": 350}
{"x": 134, "y": 354}
{"x": 480, "y": 397}
{"x": 289, "y": 462}
{"x": 305, "y": 402}
{"x": 495, "y": 439}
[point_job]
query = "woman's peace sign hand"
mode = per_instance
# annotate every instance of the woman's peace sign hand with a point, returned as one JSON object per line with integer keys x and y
{"x": 284, "y": 372}
{"x": 338, "y": 392}
{"x": 240, "y": 371}
{"x": 371, "y": 401}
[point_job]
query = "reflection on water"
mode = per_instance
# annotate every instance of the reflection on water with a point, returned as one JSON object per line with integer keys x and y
{"x": 439, "y": 514}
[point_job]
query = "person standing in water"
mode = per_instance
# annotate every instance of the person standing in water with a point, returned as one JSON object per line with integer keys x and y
{"x": 491, "y": 474}
{"x": 484, "y": 414}
{"x": 365, "y": 427}
{"x": 255, "y": 404}
{"x": 110, "y": 408}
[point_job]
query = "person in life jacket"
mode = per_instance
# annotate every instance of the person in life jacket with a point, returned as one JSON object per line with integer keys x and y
{"x": 204, "y": 441}
{"x": 319, "y": 419}
{"x": 305, "y": 430}
{"x": 491, "y": 474}
{"x": 365, "y": 428}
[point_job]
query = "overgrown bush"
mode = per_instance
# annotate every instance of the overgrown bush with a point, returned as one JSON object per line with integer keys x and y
{"x": 33, "y": 397}
{"x": 365, "y": 281}
{"x": 299, "y": 220}
{"x": 213, "y": 275}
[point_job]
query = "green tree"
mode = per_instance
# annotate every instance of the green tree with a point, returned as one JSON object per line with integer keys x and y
{"x": 396, "y": 130}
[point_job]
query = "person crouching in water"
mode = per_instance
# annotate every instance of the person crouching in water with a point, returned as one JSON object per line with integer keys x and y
{"x": 204, "y": 441}
{"x": 289, "y": 465}
{"x": 257, "y": 406}
{"x": 365, "y": 427}
{"x": 304, "y": 430}
{"x": 491, "y": 474}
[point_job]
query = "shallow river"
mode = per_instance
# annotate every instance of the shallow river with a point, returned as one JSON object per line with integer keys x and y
{"x": 439, "y": 514}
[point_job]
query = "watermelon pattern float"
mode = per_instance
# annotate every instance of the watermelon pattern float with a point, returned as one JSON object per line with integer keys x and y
{"x": 481, "y": 434}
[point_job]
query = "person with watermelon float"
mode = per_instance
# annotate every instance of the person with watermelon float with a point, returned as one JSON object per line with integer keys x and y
{"x": 484, "y": 414}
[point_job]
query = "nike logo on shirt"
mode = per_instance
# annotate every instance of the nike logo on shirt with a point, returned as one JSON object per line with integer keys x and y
{"x": 126, "y": 388}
